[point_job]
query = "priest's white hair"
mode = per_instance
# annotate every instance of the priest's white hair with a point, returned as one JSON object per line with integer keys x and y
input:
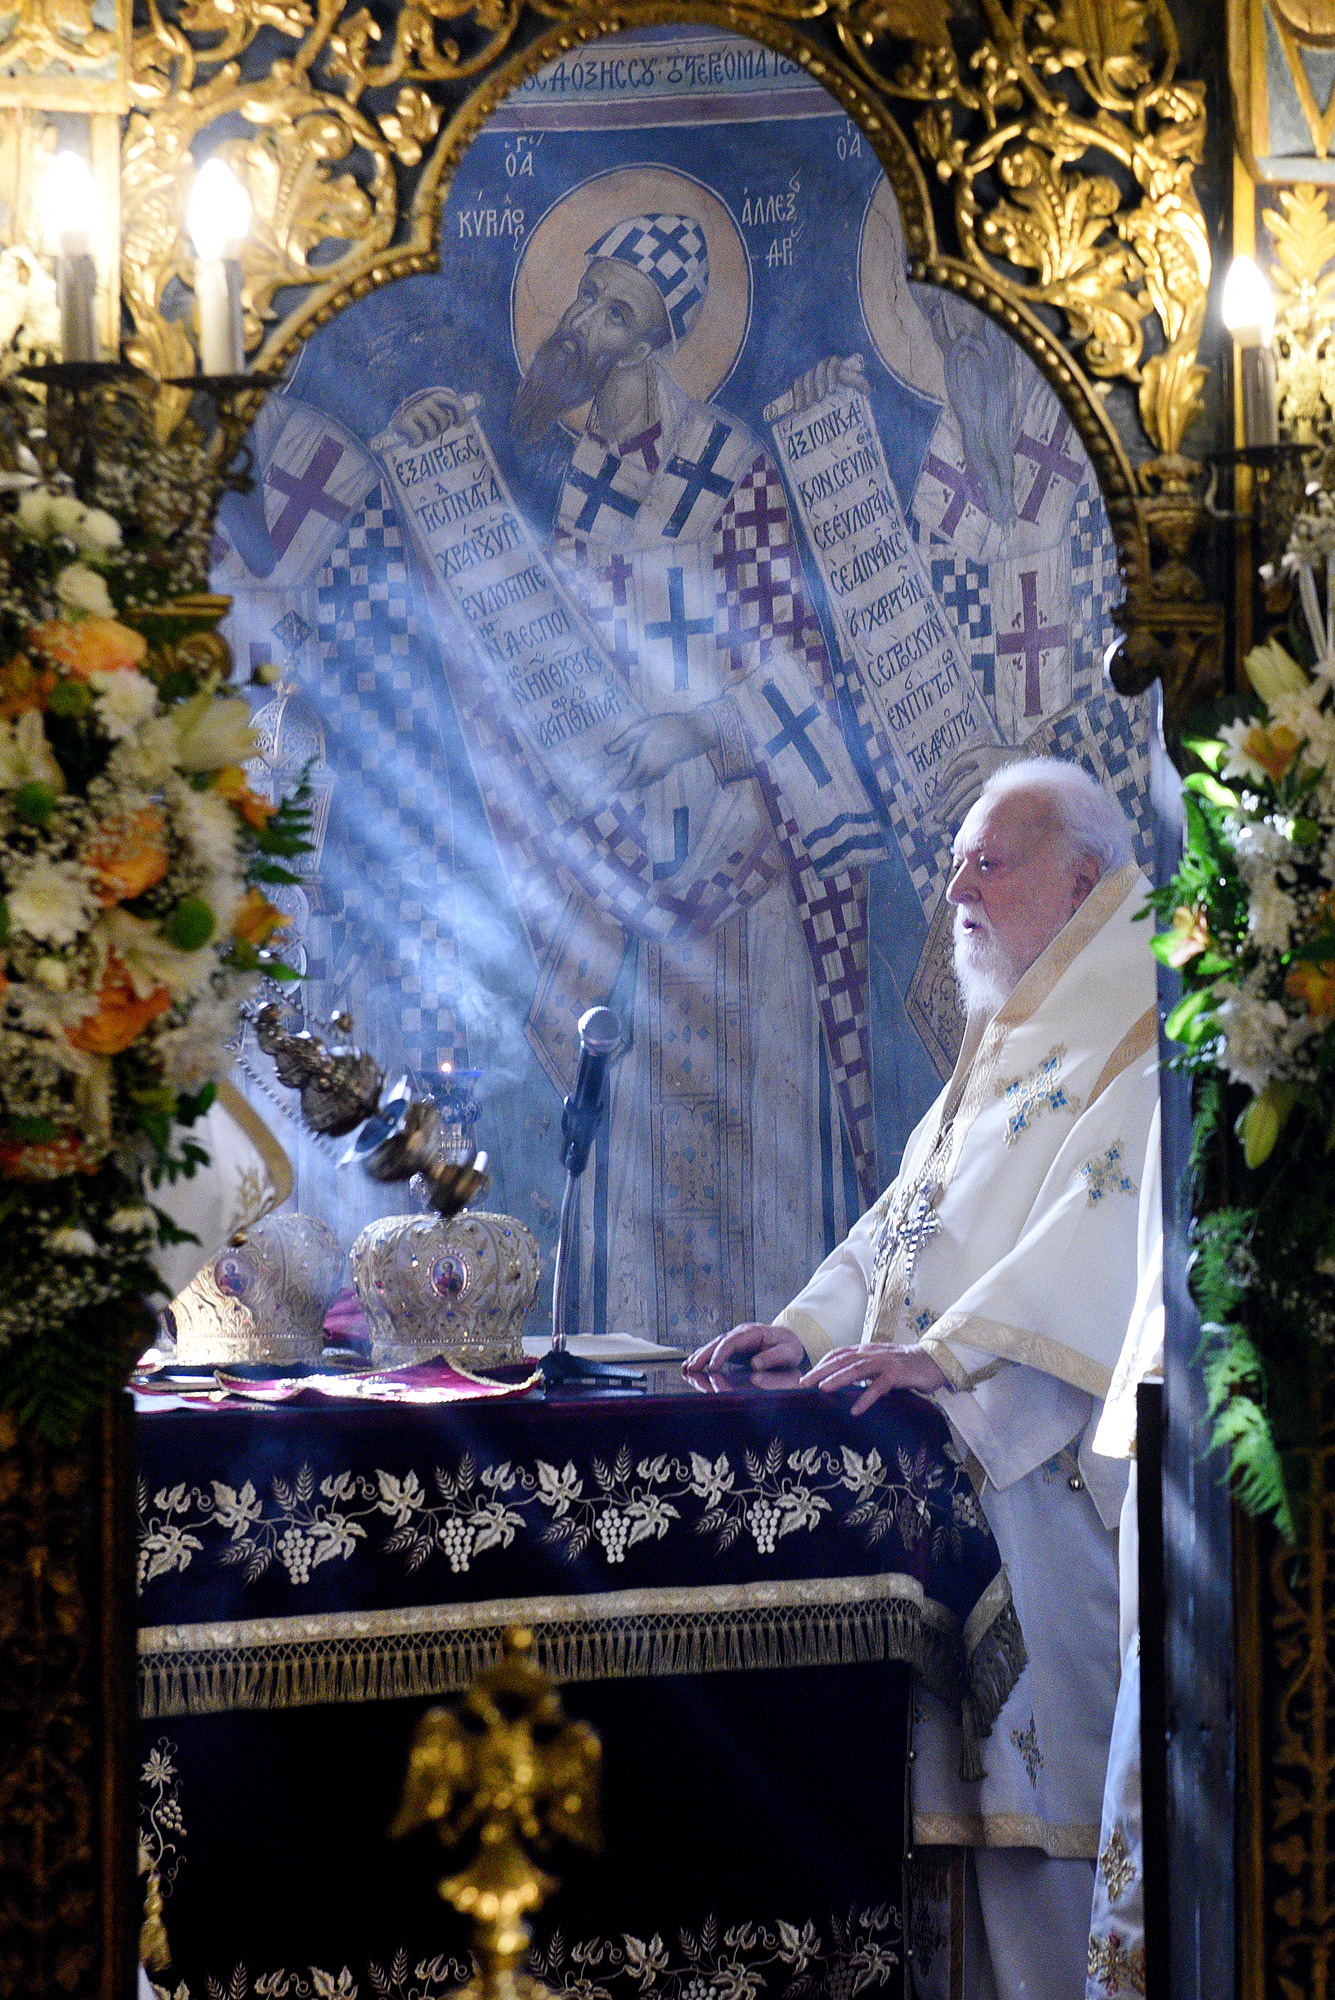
{"x": 1091, "y": 822}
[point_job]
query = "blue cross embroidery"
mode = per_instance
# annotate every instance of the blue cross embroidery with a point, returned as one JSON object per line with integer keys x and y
{"x": 1106, "y": 1174}
{"x": 678, "y": 628}
{"x": 601, "y": 493}
{"x": 1027, "y": 1096}
{"x": 698, "y": 478}
{"x": 794, "y": 732}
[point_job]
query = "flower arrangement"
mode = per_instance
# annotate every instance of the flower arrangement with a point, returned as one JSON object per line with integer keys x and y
{"x": 134, "y": 856}
{"x": 1251, "y": 927}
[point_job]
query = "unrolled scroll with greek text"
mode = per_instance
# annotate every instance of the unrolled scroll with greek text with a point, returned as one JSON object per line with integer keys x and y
{"x": 535, "y": 650}
{"x": 911, "y": 689}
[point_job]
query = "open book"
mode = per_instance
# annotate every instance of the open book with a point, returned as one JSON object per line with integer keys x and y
{"x": 605, "y": 1347}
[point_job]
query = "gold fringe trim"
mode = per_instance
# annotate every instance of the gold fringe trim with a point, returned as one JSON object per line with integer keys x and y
{"x": 277, "y": 1663}
{"x": 1059, "y": 1843}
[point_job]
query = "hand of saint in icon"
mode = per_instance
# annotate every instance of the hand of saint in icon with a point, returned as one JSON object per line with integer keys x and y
{"x": 427, "y": 414}
{"x": 834, "y": 372}
{"x": 656, "y": 744}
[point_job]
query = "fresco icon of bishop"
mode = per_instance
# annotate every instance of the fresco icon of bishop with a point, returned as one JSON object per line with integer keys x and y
{"x": 698, "y": 567}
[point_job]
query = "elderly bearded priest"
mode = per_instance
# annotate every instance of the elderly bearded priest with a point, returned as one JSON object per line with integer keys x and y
{"x": 997, "y": 1275}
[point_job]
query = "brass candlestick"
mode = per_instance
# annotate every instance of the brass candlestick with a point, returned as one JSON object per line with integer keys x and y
{"x": 506, "y": 1771}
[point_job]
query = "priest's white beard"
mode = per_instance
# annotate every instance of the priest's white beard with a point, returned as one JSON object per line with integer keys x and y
{"x": 987, "y": 974}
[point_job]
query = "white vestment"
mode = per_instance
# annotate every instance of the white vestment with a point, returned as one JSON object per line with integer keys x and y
{"x": 1116, "y": 1960}
{"x": 1007, "y": 1245}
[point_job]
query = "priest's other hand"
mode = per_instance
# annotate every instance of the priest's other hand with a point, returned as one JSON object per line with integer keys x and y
{"x": 880, "y": 1367}
{"x": 769, "y": 1347}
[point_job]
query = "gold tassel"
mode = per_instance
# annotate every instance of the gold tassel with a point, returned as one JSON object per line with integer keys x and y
{"x": 154, "y": 1950}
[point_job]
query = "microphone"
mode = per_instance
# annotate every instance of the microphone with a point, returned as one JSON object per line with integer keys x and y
{"x": 599, "y": 1041}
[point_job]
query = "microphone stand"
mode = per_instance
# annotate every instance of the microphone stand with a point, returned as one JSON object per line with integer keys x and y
{"x": 599, "y": 1041}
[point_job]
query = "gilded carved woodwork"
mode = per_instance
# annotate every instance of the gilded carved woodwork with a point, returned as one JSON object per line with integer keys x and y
{"x": 1286, "y": 1750}
{"x": 1301, "y": 269}
{"x": 1063, "y": 145}
{"x": 67, "y": 1924}
{"x": 64, "y": 54}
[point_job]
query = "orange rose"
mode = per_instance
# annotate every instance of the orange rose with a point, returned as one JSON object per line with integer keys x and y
{"x": 1314, "y": 985}
{"x": 48, "y": 1159}
{"x": 24, "y": 686}
{"x": 230, "y": 782}
{"x": 121, "y": 1015}
{"x": 94, "y": 645}
{"x": 131, "y": 858}
{"x": 256, "y": 919}
{"x": 1273, "y": 749}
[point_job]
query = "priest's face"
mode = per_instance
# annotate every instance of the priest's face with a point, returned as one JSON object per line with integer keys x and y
{"x": 615, "y": 320}
{"x": 1015, "y": 883}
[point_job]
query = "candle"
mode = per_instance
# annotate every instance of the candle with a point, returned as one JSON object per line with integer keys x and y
{"x": 72, "y": 211}
{"x": 1249, "y": 314}
{"x": 218, "y": 217}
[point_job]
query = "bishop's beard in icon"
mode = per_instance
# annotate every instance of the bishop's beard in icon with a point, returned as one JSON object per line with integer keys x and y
{"x": 561, "y": 376}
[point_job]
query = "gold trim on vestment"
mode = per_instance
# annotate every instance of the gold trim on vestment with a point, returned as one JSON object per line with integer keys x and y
{"x": 295, "y": 1662}
{"x": 1011, "y": 1343}
{"x": 808, "y": 1330}
{"x": 262, "y": 1139}
{"x": 1138, "y": 1040}
{"x": 1059, "y": 1843}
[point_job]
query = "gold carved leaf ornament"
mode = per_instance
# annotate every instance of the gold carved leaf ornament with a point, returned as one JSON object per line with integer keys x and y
{"x": 1027, "y": 164}
{"x": 1302, "y": 276}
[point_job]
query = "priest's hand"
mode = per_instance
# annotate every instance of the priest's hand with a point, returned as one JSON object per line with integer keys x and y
{"x": 881, "y": 1367}
{"x": 770, "y": 1347}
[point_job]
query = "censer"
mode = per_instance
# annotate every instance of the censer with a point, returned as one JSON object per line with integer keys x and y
{"x": 454, "y": 1281}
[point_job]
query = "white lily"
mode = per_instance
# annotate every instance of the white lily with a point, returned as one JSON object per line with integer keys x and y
{"x": 150, "y": 960}
{"x": 211, "y": 733}
{"x": 1273, "y": 671}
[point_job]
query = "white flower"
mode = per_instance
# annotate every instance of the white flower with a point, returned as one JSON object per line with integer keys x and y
{"x": 150, "y": 960}
{"x": 69, "y": 1242}
{"x": 212, "y": 733}
{"x": 51, "y": 901}
{"x": 145, "y": 759}
{"x": 194, "y": 1052}
{"x": 32, "y": 515}
{"x": 64, "y": 514}
{"x": 129, "y": 1221}
{"x": 51, "y": 1015}
{"x": 1313, "y": 535}
{"x": 207, "y": 825}
{"x": 82, "y": 589}
{"x": 53, "y": 973}
{"x": 98, "y": 531}
{"x": 1271, "y": 916}
{"x": 25, "y": 754}
{"x": 1272, "y": 670}
{"x": 1262, "y": 1042}
{"x": 124, "y": 700}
